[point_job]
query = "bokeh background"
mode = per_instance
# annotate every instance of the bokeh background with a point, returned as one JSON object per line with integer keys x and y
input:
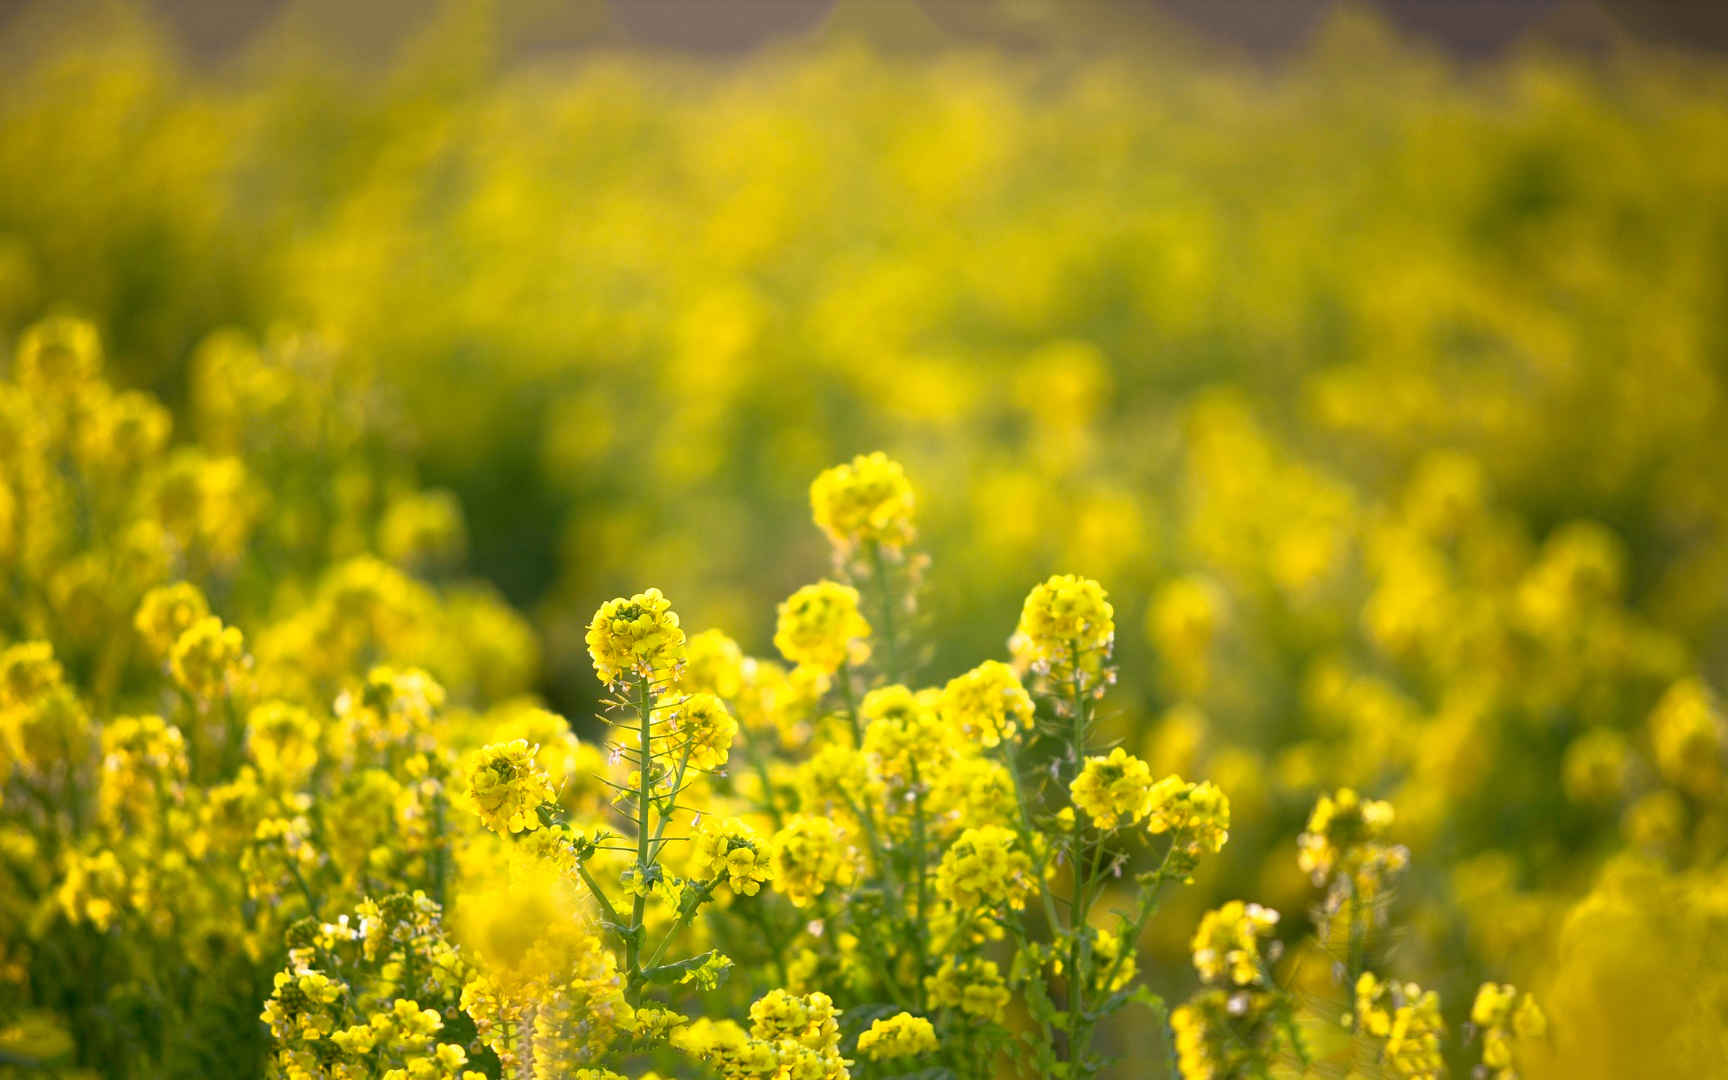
{"x": 1374, "y": 357}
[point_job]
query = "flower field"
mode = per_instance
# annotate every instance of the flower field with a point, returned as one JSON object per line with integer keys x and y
{"x": 861, "y": 560}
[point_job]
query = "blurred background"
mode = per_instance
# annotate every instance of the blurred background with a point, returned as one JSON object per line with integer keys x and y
{"x": 1374, "y": 356}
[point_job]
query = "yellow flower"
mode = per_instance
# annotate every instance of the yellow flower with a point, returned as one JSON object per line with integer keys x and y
{"x": 819, "y": 625}
{"x": 865, "y": 501}
{"x": 701, "y": 723}
{"x": 282, "y": 740}
{"x": 58, "y": 354}
{"x": 1196, "y": 815}
{"x": 902, "y": 735}
{"x": 1505, "y": 1018}
{"x": 1371, "y": 1016}
{"x": 898, "y": 1036}
{"x": 508, "y": 787}
{"x": 1113, "y": 788}
{"x": 729, "y": 851}
{"x": 423, "y": 529}
{"x": 636, "y": 636}
{"x": 1346, "y": 834}
{"x": 973, "y": 986}
{"x": 1690, "y": 735}
{"x": 714, "y": 664}
{"x": 809, "y": 854}
{"x": 1413, "y": 1044}
{"x": 122, "y": 431}
{"x": 987, "y": 703}
{"x": 205, "y": 656}
{"x": 143, "y": 765}
{"x": 1227, "y": 944}
{"x": 1222, "y": 1034}
{"x": 1067, "y": 630}
{"x": 982, "y": 868}
{"x": 27, "y": 671}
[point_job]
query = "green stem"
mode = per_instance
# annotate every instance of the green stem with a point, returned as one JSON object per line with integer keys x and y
{"x": 305, "y": 889}
{"x": 771, "y": 940}
{"x": 1079, "y": 1030}
{"x": 1010, "y": 761}
{"x": 760, "y": 766}
{"x": 682, "y": 921}
{"x": 606, "y": 907}
{"x": 850, "y": 701}
{"x": 885, "y": 608}
{"x": 1148, "y": 904}
{"x": 644, "y": 761}
{"x": 918, "y": 864}
{"x": 672, "y": 799}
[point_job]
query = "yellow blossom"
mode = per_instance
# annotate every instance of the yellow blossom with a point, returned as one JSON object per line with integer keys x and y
{"x": 1113, "y": 789}
{"x": 819, "y": 625}
{"x": 639, "y": 635}
{"x": 865, "y": 501}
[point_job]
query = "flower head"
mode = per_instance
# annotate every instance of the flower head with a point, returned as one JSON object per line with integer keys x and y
{"x": 973, "y": 986}
{"x": 508, "y": 787}
{"x": 1505, "y": 1018}
{"x": 1113, "y": 788}
{"x": 819, "y": 625}
{"x": 702, "y": 723}
{"x": 809, "y": 854}
{"x": 1227, "y": 945}
{"x": 638, "y": 635}
{"x": 1197, "y": 817}
{"x": 987, "y": 703}
{"x": 168, "y": 611}
{"x": 901, "y": 734}
{"x": 714, "y": 664}
{"x": 1347, "y": 834}
{"x": 982, "y": 868}
{"x": 1690, "y": 735}
{"x": 27, "y": 671}
{"x": 282, "y": 740}
{"x": 205, "y": 656}
{"x": 730, "y": 851}
{"x": 1067, "y": 630}
{"x": 898, "y": 1036}
{"x": 865, "y": 501}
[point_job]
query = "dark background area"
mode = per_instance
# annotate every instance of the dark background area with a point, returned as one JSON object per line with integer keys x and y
{"x": 212, "y": 30}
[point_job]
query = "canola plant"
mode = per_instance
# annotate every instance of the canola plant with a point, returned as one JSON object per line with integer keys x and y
{"x": 1292, "y": 645}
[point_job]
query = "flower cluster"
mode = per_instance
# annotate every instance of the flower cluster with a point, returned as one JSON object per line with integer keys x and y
{"x": 1690, "y": 735}
{"x": 1412, "y": 1032}
{"x": 1067, "y": 631}
{"x": 1505, "y": 1019}
{"x": 703, "y": 728}
{"x": 809, "y": 854}
{"x": 638, "y": 635}
{"x": 790, "y": 1035}
{"x": 899, "y": 1036}
{"x": 730, "y": 852}
{"x": 1346, "y": 842}
{"x": 1227, "y": 946}
{"x": 867, "y": 501}
{"x": 987, "y": 703}
{"x": 983, "y": 869}
{"x": 959, "y": 862}
{"x": 1196, "y": 816}
{"x": 820, "y": 625}
{"x": 1113, "y": 789}
{"x": 205, "y": 657}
